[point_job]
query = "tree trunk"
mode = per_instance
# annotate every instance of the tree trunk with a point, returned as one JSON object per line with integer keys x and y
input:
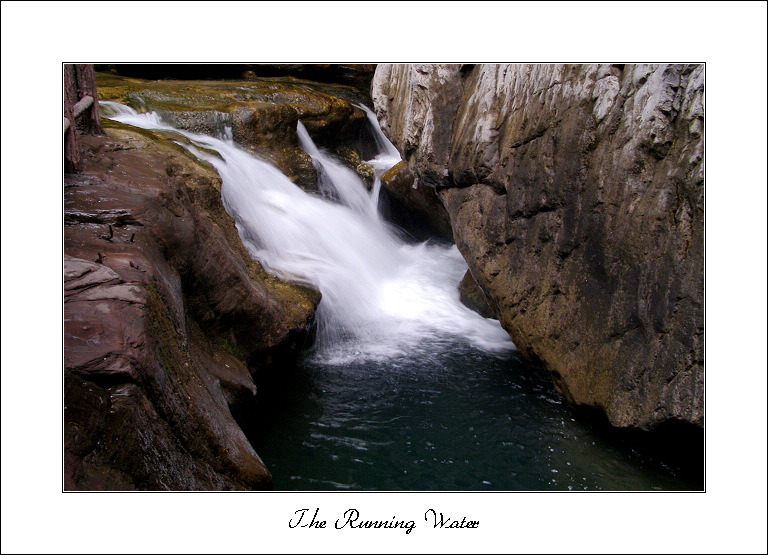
{"x": 71, "y": 152}
{"x": 79, "y": 82}
{"x": 90, "y": 122}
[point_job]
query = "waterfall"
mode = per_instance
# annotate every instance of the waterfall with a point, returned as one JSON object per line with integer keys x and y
{"x": 380, "y": 296}
{"x": 387, "y": 157}
{"x": 338, "y": 181}
{"x": 386, "y": 148}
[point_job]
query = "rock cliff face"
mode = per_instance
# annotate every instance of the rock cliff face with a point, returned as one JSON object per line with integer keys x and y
{"x": 576, "y": 196}
{"x": 166, "y": 317}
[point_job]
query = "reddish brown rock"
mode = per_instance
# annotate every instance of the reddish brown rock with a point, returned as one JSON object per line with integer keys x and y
{"x": 166, "y": 317}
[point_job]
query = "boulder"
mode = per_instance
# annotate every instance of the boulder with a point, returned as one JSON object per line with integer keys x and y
{"x": 140, "y": 412}
{"x": 416, "y": 105}
{"x": 412, "y": 205}
{"x": 575, "y": 193}
{"x": 474, "y": 297}
{"x": 351, "y": 158}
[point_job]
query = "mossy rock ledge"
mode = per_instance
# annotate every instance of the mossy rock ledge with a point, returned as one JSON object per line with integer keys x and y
{"x": 262, "y": 114}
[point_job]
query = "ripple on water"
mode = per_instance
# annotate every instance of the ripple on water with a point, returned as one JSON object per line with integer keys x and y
{"x": 498, "y": 430}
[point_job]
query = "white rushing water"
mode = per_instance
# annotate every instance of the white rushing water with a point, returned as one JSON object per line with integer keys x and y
{"x": 381, "y": 297}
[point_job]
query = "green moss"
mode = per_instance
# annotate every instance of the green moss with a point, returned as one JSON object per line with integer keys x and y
{"x": 235, "y": 350}
{"x": 224, "y": 96}
{"x": 151, "y": 288}
{"x": 165, "y": 340}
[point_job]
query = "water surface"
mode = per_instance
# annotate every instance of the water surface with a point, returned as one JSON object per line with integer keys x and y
{"x": 448, "y": 417}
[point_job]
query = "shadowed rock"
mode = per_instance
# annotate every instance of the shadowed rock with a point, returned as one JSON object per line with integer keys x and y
{"x": 474, "y": 297}
{"x": 355, "y": 75}
{"x": 413, "y": 205}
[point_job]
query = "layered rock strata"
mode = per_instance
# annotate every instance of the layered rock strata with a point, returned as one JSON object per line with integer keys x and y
{"x": 166, "y": 318}
{"x": 576, "y": 195}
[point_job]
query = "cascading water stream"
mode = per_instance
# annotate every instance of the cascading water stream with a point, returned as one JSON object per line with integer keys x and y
{"x": 387, "y": 155}
{"x": 337, "y": 181}
{"x": 381, "y": 296}
{"x": 386, "y": 149}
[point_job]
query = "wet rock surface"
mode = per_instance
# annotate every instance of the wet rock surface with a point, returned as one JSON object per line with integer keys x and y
{"x": 576, "y": 196}
{"x": 474, "y": 297}
{"x": 413, "y": 205}
{"x": 262, "y": 114}
{"x": 166, "y": 320}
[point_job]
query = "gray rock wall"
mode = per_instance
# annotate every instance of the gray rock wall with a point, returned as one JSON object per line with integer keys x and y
{"x": 576, "y": 195}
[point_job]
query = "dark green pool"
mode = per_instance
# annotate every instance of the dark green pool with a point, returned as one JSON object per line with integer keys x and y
{"x": 449, "y": 417}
